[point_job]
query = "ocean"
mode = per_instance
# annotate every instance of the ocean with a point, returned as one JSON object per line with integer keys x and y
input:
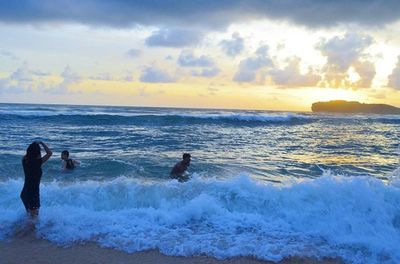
{"x": 263, "y": 184}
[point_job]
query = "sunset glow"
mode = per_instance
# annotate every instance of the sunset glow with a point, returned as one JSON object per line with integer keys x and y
{"x": 282, "y": 63}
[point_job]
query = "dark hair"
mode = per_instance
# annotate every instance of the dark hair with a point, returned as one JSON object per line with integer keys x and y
{"x": 65, "y": 152}
{"x": 33, "y": 151}
{"x": 185, "y": 155}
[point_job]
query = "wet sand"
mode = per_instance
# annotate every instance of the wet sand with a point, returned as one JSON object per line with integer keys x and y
{"x": 24, "y": 246}
{"x": 31, "y": 250}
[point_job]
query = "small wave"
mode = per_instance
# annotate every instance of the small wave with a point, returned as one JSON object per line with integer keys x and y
{"x": 286, "y": 117}
{"x": 146, "y": 119}
{"x": 357, "y": 219}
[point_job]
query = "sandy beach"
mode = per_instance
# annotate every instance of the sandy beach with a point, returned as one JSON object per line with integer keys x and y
{"x": 29, "y": 249}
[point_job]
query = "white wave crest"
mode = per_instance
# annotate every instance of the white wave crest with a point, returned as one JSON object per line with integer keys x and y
{"x": 357, "y": 219}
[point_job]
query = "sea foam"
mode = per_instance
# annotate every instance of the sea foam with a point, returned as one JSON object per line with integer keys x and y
{"x": 355, "y": 218}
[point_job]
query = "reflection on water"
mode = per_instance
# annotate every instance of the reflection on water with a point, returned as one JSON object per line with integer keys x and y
{"x": 146, "y": 142}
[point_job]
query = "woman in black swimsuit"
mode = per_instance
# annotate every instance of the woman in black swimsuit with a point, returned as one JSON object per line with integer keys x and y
{"x": 32, "y": 164}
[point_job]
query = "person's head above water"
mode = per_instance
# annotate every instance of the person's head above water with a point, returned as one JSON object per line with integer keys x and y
{"x": 33, "y": 151}
{"x": 186, "y": 158}
{"x": 64, "y": 155}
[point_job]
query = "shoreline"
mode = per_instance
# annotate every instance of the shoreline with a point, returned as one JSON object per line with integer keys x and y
{"x": 29, "y": 249}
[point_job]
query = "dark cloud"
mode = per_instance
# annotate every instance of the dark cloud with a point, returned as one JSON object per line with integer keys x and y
{"x": 233, "y": 47}
{"x": 155, "y": 75}
{"x": 174, "y": 38}
{"x": 203, "y": 13}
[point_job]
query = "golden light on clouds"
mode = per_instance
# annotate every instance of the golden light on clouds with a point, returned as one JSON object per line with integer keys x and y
{"x": 257, "y": 64}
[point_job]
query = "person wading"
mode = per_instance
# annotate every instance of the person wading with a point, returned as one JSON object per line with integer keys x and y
{"x": 32, "y": 164}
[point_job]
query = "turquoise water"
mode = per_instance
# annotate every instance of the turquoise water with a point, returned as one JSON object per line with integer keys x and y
{"x": 296, "y": 183}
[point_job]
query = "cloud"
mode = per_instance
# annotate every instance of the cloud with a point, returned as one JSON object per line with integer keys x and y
{"x": 105, "y": 76}
{"x": 134, "y": 53}
{"x": 9, "y": 55}
{"x": 19, "y": 81}
{"x": 155, "y": 75}
{"x": 219, "y": 14}
{"x": 69, "y": 78}
{"x": 24, "y": 80}
{"x": 394, "y": 78}
{"x": 290, "y": 76}
{"x": 344, "y": 53}
{"x": 174, "y": 38}
{"x": 233, "y": 47}
{"x": 205, "y": 65}
{"x": 207, "y": 72}
{"x": 188, "y": 59}
{"x": 249, "y": 67}
{"x": 128, "y": 77}
{"x": 22, "y": 74}
{"x": 366, "y": 71}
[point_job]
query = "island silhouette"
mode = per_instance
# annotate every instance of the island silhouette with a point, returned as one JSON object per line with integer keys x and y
{"x": 342, "y": 106}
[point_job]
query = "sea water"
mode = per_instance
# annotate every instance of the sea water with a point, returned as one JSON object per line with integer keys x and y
{"x": 263, "y": 184}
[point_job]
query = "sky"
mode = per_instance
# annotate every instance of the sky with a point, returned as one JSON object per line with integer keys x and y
{"x": 236, "y": 54}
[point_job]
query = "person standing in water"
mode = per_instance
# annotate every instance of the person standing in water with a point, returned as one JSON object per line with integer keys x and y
{"x": 32, "y": 164}
{"x": 178, "y": 171}
{"x": 67, "y": 163}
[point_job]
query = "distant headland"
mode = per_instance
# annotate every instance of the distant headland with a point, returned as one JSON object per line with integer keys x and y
{"x": 341, "y": 106}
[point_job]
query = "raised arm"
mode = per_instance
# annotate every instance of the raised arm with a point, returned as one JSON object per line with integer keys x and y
{"x": 48, "y": 152}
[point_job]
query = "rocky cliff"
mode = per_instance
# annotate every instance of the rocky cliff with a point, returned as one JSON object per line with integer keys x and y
{"x": 340, "y": 106}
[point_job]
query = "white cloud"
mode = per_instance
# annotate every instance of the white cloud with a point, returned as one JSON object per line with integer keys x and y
{"x": 394, "y": 78}
{"x": 233, "y": 47}
{"x": 207, "y": 72}
{"x": 19, "y": 81}
{"x": 290, "y": 76}
{"x": 366, "y": 71}
{"x": 249, "y": 67}
{"x": 22, "y": 74}
{"x": 345, "y": 52}
{"x": 155, "y": 75}
{"x": 205, "y": 65}
{"x": 69, "y": 78}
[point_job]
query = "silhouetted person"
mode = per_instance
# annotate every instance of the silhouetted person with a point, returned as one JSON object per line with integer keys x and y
{"x": 67, "y": 163}
{"x": 178, "y": 171}
{"x": 32, "y": 164}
